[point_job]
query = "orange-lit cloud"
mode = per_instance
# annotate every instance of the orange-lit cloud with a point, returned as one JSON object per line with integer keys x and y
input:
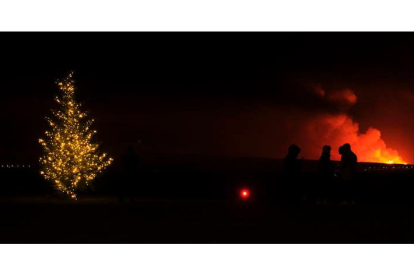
{"x": 346, "y": 96}
{"x": 342, "y": 96}
{"x": 335, "y": 130}
{"x": 338, "y": 128}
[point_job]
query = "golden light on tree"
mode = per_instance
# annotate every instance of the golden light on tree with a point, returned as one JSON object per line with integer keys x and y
{"x": 70, "y": 160}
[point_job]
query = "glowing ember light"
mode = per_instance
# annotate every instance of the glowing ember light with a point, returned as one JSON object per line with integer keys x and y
{"x": 244, "y": 193}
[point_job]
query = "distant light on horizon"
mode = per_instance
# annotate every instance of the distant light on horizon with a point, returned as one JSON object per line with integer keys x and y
{"x": 15, "y": 166}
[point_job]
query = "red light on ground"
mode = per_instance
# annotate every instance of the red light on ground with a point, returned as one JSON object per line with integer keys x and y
{"x": 244, "y": 193}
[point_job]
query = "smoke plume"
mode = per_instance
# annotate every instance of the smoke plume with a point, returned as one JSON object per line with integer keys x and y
{"x": 335, "y": 129}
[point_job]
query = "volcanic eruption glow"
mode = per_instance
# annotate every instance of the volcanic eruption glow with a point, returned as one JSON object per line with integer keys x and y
{"x": 391, "y": 159}
{"x": 336, "y": 129}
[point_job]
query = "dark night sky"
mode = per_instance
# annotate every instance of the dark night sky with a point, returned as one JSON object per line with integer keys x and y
{"x": 220, "y": 94}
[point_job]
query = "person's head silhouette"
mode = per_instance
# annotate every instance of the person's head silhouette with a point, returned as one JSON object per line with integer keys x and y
{"x": 341, "y": 150}
{"x": 346, "y": 147}
{"x": 293, "y": 151}
{"x": 130, "y": 148}
{"x": 326, "y": 149}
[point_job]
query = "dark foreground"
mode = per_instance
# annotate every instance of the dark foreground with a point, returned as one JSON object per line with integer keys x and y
{"x": 104, "y": 220}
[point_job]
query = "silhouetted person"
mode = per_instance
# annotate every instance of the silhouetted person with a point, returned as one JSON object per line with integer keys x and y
{"x": 341, "y": 150}
{"x": 291, "y": 190}
{"x": 292, "y": 164}
{"x": 348, "y": 172}
{"x": 326, "y": 172}
{"x": 348, "y": 163}
{"x": 130, "y": 160}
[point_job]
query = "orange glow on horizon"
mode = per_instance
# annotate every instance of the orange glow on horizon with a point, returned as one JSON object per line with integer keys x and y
{"x": 338, "y": 129}
{"x": 389, "y": 158}
{"x": 378, "y": 156}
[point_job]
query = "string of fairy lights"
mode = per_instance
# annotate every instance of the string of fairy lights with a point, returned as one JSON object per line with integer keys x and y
{"x": 15, "y": 166}
{"x": 70, "y": 158}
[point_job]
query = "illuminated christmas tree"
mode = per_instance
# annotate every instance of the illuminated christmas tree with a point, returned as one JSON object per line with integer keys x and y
{"x": 70, "y": 161}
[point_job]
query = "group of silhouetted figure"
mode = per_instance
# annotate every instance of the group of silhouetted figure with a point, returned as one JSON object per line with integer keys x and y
{"x": 332, "y": 184}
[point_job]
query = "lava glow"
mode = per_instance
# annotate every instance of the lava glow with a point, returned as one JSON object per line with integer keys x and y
{"x": 397, "y": 160}
{"x": 384, "y": 154}
{"x": 338, "y": 128}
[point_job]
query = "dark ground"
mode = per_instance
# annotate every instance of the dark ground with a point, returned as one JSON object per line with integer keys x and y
{"x": 103, "y": 220}
{"x": 204, "y": 207}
